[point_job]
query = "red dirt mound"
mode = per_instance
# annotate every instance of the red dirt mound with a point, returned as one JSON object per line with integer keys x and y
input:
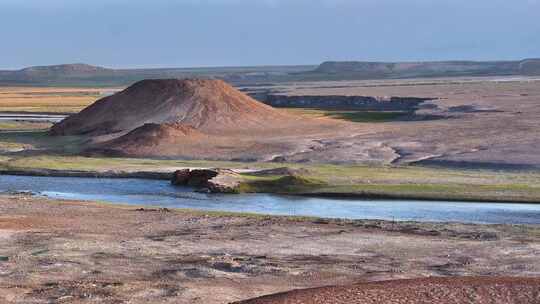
{"x": 179, "y": 140}
{"x": 419, "y": 291}
{"x": 211, "y": 106}
{"x": 151, "y": 133}
{"x": 154, "y": 140}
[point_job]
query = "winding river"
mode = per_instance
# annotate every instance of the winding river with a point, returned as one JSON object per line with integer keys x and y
{"x": 162, "y": 194}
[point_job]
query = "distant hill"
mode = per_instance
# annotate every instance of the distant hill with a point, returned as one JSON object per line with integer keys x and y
{"x": 379, "y": 70}
{"x": 87, "y": 75}
{"x": 54, "y": 74}
{"x": 530, "y": 67}
{"x": 76, "y": 69}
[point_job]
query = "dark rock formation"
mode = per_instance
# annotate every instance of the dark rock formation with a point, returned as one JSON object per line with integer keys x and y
{"x": 366, "y": 103}
{"x": 181, "y": 177}
{"x": 201, "y": 178}
{"x": 211, "y": 180}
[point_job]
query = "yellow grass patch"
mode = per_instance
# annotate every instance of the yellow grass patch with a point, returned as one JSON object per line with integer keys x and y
{"x": 58, "y": 100}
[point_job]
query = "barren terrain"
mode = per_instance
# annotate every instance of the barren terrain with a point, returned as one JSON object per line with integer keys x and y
{"x": 73, "y": 252}
{"x": 471, "y": 123}
{"x": 476, "y": 122}
{"x": 227, "y": 124}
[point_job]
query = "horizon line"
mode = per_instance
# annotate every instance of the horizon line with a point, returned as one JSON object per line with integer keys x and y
{"x": 159, "y": 67}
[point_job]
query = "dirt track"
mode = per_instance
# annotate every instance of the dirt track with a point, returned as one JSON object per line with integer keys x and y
{"x": 72, "y": 252}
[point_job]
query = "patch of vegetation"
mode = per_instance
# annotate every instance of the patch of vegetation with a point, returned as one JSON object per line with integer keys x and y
{"x": 43, "y": 109}
{"x": 24, "y": 125}
{"x": 47, "y": 100}
{"x": 351, "y": 115}
{"x": 4, "y": 258}
{"x": 395, "y": 183}
{"x": 283, "y": 184}
{"x": 359, "y": 116}
{"x": 39, "y": 139}
{"x": 450, "y": 192}
{"x": 93, "y": 164}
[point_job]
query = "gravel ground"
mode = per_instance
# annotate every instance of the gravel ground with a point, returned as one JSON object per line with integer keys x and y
{"x": 75, "y": 252}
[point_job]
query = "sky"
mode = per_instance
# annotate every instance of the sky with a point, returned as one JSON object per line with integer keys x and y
{"x": 198, "y": 33}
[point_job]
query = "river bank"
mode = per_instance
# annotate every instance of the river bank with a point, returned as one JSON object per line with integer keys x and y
{"x": 162, "y": 194}
{"x": 312, "y": 180}
{"x": 94, "y": 174}
{"x": 98, "y": 253}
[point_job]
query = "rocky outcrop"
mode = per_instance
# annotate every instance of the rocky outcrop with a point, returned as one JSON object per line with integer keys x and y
{"x": 181, "y": 177}
{"x": 366, "y": 103}
{"x": 208, "y": 180}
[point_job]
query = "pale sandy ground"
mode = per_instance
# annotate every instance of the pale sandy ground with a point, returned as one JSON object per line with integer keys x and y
{"x": 72, "y": 252}
{"x": 498, "y": 129}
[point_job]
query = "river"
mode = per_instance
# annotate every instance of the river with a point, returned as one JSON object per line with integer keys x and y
{"x": 161, "y": 194}
{"x": 30, "y": 117}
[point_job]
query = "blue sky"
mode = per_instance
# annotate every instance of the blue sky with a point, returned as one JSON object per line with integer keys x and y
{"x": 188, "y": 33}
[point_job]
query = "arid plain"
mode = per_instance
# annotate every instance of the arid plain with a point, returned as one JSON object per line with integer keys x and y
{"x": 73, "y": 252}
{"x": 472, "y": 139}
{"x": 474, "y": 122}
